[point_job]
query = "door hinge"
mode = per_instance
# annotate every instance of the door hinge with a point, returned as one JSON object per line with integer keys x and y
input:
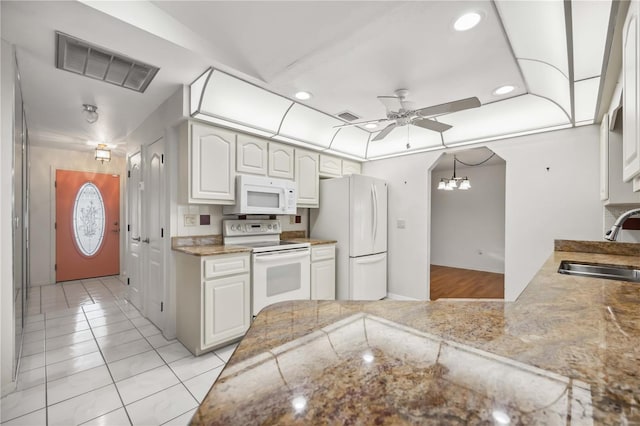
{"x": 162, "y": 158}
{"x": 55, "y": 225}
{"x": 128, "y": 282}
{"x": 161, "y": 232}
{"x": 128, "y": 173}
{"x": 161, "y": 306}
{"x": 55, "y": 183}
{"x": 55, "y": 267}
{"x": 128, "y": 228}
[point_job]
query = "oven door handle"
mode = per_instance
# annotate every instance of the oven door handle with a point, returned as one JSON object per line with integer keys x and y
{"x": 291, "y": 255}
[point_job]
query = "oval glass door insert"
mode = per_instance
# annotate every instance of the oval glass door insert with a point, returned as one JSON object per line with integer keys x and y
{"x": 88, "y": 219}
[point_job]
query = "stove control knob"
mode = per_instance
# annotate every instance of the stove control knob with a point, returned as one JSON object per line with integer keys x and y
{"x": 275, "y": 226}
{"x": 233, "y": 227}
{"x": 270, "y": 226}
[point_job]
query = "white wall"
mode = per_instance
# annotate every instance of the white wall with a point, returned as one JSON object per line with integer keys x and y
{"x": 44, "y": 163}
{"x": 6, "y": 248}
{"x": 467, "y": 227}
{"x": 561, "y": 202}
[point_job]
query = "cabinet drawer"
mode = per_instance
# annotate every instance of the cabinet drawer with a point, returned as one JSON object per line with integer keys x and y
{"x": 323, "y": 252}
{"x": 221, "y": 266}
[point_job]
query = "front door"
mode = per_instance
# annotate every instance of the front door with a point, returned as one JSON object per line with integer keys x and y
{"x": 87, "y": 225}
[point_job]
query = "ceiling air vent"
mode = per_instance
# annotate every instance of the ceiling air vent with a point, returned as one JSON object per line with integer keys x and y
{"x": 348, "y": 116}
{"x": 80, "y": 57}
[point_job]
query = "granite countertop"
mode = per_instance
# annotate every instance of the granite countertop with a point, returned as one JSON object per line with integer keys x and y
{"x": 567, "y": 351}
{"x": 211, "y": 245}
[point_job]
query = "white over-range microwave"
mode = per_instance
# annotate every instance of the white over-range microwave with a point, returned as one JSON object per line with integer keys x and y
{"x": 263, "y": 195}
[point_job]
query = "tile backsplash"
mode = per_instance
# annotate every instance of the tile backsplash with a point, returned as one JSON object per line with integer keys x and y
{"x": 190, "y": 217}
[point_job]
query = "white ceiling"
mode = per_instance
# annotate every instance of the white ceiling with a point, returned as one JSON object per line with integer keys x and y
{"x": 345, "y": 52}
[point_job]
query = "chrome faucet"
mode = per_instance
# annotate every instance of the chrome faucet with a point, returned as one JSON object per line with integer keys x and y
{"x": 612, "y": 234}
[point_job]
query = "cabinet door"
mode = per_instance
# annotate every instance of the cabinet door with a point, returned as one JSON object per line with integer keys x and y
{"x": 323, "y": 280}
{"x": 307, "y": 178}
{"x": 351, "y": 168}
{"x": 630, "y": 107}
{"x": 251, "y": 155}
{"x": 330, "y": 166}
{"x": 225, "y": 309}
{"x": 280, "y": 161}
{"x": 212, "y": 157}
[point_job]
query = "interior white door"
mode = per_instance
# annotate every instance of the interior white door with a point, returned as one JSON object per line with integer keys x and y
{"x": 154, "y": 231}
{"x": 134, "y": 238}
{"x": 368, "y": 277}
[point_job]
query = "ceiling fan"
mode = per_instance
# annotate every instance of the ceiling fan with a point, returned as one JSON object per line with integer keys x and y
{"x": 403, "y": 112}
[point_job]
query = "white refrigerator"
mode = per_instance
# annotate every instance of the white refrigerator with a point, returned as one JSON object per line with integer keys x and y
{"x": 353, "y": 211}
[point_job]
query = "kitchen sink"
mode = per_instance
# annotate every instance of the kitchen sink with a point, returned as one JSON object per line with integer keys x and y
{"x": 600, "y": 270}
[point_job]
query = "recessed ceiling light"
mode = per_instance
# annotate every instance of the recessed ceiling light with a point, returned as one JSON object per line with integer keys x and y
{"x": 503, "y": 90}
{"x": 370, "y": 126}
{"x": 303, "y": 96}
{"x": 467, "y": 21}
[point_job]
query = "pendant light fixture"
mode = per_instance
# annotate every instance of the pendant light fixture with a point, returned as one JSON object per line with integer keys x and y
{"x": 103, "y": 153}
{"x": 452, "y": 183}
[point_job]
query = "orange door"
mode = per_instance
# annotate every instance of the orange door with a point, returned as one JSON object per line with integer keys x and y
{"x": 87, "y": 225}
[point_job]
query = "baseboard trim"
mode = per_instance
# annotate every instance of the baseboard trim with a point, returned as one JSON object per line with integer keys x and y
{"x": 401, "y": 297}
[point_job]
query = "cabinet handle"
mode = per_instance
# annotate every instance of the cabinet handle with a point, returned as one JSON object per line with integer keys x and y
{"x": 146, "y": 240}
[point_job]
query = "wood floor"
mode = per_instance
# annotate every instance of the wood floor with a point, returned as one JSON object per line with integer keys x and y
{"x": 465, "y": 283}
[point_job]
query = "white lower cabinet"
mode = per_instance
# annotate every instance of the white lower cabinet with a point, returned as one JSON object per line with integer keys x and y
{"x": 213, "y": 300}
{"x": 323, "y": 272}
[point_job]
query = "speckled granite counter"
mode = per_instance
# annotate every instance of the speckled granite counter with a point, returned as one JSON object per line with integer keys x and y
{"x": 205, "y": 245}
{"x": 312, "y": 241}
{"x": 567, "y": 351}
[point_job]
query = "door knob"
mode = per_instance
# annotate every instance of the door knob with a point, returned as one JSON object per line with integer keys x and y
{"x": 136, "y": 239}
{"x": 146, "y": 240}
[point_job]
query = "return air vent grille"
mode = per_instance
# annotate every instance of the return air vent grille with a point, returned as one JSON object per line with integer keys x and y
{"x": 80, "y": 57}
{"x": 348, "y": 116}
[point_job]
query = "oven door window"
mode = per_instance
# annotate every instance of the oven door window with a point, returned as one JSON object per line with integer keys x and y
{"x": 263, "y": 199}
{"x": 283, "y": 279}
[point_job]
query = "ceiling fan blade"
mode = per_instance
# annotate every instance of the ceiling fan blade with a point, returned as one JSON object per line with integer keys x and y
{"x": 384, "y": 132}
{"x": 391, "y": 103}
{"x": 449, "y": 107}
{"x": 359, "y": 123}
{"x": 436, "y": 126}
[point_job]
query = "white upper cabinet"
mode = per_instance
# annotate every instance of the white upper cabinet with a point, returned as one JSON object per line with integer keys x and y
{"x": 207, "y": 159}
{"x": 330, "y": 166}
{"x": 631, "y": 97}
{"x": 351, "y": 168}
{"x": 281, "y": 160}
{"x": 307, "y": 178}
{"x": 251, "y": 155}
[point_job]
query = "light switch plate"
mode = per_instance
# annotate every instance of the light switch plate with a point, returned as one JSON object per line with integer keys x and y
{"x": 190, "y": 219}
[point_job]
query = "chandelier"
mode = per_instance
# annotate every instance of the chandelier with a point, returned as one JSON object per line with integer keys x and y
{"x": 452, "y": 183}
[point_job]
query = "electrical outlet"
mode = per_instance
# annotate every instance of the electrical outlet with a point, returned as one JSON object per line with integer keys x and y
{"x": 190, "y": 219}
{"x": 298, "y": 219}
{"x": 292, "y": 220}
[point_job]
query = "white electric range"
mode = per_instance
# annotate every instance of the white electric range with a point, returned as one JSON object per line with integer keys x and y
{"x": 280, "y": 270}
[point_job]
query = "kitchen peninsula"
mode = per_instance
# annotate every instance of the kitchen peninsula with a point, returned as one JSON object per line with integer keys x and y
{"x": 566, "y": 351}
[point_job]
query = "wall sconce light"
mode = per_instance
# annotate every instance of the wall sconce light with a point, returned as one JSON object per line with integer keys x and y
{"x": 103, "y": 153}
{"x": 90, "y": 113}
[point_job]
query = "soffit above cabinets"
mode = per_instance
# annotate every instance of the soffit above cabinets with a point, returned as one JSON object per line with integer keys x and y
{"x": 558, "y": 49}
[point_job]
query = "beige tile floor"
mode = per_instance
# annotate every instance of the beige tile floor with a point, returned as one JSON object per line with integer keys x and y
{"x": 89, "y": 357}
